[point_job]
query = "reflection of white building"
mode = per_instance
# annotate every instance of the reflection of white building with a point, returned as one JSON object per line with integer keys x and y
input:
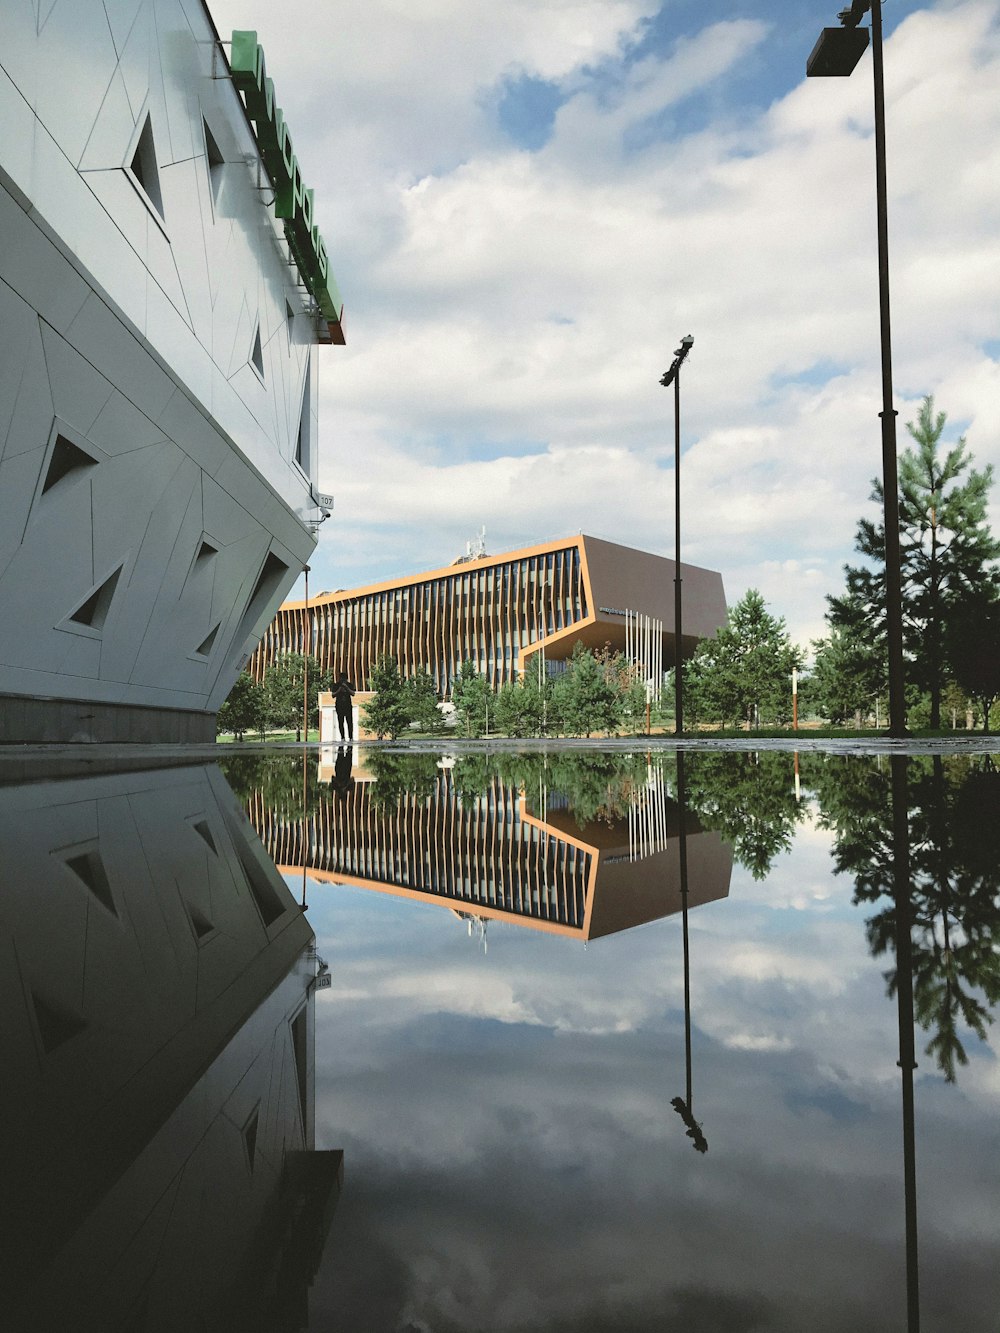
{"x": 158, "y": 376}
{"x": 156, "y": 985}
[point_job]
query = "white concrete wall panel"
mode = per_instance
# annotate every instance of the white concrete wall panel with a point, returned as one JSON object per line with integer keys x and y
{"x": 135, "y": 331}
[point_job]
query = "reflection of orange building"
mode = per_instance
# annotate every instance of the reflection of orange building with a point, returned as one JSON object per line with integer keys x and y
{"x": 500, "y": 611}
{"x": 491, "y": 858}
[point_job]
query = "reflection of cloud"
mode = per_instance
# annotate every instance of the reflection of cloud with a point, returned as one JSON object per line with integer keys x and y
{"x": 516, "y": 1163}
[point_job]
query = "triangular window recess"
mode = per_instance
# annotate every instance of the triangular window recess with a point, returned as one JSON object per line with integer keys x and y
{"x": 262, "y": 890}
{"x": 94, "y": 611}
{"x": 200, "y": 923}
{"x": 88, "y": 867}
{"x": 144, "y": 167}
{"x": 66, "y": 460}
{"x": 205, "y": 833}
{"x": 302, "y": 442}
{"x": 215, "y": 161}
{"x": 250, "y": 1134}
{"x": 208, "y": 643}
{"x": 257, "y": 355}
{"x": 56, "y": 1025}
{"x": 268, "y": 582}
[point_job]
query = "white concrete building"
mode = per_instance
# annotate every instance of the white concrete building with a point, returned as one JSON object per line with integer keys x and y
{"x": 158, "y": 373}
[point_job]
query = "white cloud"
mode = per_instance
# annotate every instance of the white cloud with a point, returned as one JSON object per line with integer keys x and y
{"x": 509, "y": 313}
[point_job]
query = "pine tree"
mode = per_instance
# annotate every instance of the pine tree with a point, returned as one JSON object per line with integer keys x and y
{"x": 946, "y": 550}
{"x": 745, "y": 670}
{"x": 847, "y": 678}
{"x": 421, "y": 693}
{"x": 973, "y": 651}
{"x": 585, "y": 699}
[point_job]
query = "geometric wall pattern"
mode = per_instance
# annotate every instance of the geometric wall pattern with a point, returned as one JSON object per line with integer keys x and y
{"x": 157, "y": 411}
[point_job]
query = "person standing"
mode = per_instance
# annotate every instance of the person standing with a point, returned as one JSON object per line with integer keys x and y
{"x": 343, "y": 697}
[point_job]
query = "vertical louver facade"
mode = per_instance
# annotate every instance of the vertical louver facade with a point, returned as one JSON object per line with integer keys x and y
{"x": 496, "y": 612}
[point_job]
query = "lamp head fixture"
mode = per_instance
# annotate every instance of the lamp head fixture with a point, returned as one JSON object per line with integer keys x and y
{"x": 838, "y": 50}
{"x": 687, "y": 342}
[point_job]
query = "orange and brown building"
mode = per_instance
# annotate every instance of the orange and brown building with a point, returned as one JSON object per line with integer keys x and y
{"x": 500, "y": 611}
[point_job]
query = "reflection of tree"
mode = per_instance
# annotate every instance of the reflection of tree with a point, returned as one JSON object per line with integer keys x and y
{"x": 597, "y": 785}
{"x": 275, "y": 779}
{"x": 748, "y": 798}
{"x": 954, "y": 848}
{"x": 396, "y": 772}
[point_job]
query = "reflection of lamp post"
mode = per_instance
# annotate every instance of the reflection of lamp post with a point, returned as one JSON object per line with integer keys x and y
{"x": 904, "y": 997}
{"x": 673, "y": 376}
{"x": 836, "y": 54}
{"x": 306, "y": 646}
{"x": 682, "y": 1105}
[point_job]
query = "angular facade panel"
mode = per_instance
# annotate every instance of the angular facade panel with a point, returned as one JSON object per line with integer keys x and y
{"x": 152, "y": 322}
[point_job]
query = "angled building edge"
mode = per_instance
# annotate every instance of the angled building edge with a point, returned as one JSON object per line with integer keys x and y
{"x": 504, "y": 613}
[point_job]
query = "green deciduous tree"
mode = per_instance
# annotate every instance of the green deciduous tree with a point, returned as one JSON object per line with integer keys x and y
{"x": 744, "y": 671}
{"x": 243, "y": 709}
{"x": 387, "y": 713}
{"x": 473, "y": 700}
{"x": 284, "y": 685}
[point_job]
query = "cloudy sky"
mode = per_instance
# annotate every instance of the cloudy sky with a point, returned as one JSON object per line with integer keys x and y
{"x": 512, "y": 1160}
{"x": 528, "y": 203}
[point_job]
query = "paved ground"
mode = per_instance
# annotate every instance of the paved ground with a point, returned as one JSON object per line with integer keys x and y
{"x": 22, "y": 763}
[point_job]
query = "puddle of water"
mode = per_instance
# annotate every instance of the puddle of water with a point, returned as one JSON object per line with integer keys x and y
{"x": 606, "y": 1039}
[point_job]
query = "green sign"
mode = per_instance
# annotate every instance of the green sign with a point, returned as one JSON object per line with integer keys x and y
{"x": 293, "y": 203}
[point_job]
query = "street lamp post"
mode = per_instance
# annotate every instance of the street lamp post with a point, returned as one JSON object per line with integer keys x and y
{"x": 673, "y": 376}
{"x": 306, "y": 649}
{"x": 836, "y": 54}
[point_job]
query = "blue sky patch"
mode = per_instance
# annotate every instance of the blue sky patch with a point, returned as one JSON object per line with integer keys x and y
{"x": 527, "y": 110}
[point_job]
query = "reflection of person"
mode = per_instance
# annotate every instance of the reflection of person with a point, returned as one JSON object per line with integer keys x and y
{"x": 343, "y": 695}
{"x": 343, "y": 782}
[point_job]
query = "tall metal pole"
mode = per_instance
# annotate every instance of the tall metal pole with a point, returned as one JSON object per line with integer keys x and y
{"x": 678, "y": 619}
{"x": 837, "y": 53}
{"x": 890, "y": 480}
{"x": 306, "y": 646}
{"x": 673, "y": 376}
